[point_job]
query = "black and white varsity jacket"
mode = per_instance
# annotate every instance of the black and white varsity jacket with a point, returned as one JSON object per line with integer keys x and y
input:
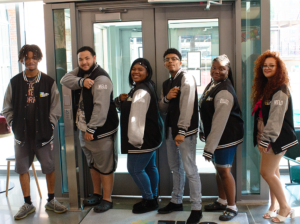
{"x": 182, "y": 111}
{"x": 148, "y": 122}
{"x": 47, "y": 106}
{"x": 220, "y": 116}
{"x": 278, "y": 120}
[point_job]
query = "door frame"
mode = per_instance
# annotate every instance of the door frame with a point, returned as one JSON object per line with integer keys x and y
{"x": 76, "y": 7}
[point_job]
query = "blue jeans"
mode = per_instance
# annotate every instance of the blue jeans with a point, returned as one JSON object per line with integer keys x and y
{"x": 143, "y": 170}
{"x": 182, "y": 159}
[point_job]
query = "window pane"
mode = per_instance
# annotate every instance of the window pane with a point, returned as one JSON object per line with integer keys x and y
{"x": 285, "y": 38}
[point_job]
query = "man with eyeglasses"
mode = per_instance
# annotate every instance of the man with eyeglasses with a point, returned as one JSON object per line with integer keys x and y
{"x": 179, "y": 103}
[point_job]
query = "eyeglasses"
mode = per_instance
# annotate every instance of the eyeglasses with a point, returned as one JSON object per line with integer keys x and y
{"x": 268, "y": 66}
{"x": 171, "y": 59}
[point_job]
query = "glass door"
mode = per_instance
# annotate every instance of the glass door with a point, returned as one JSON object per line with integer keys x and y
{"x": 196, "y": 34}
{"x": 117, "y": 44}
{"x": 148, "y": 33}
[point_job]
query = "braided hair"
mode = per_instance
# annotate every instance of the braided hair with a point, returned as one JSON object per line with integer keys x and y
{"x": 37, "y": 53}
{"x": 225, "y": 58}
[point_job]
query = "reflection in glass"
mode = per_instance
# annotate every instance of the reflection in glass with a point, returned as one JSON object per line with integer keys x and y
{"x": 198, "y": 42}
{"x": 251, "y": 49}
{"x": 63, "y": 64}
{"x": 117, "y": 45}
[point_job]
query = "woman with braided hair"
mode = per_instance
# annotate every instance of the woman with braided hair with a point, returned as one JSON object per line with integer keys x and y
{"x": 222, "y": 130}
{"x": 273, "y": 127}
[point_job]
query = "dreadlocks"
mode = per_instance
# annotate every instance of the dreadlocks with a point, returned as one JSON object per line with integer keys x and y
{"x": 37, "y": 53}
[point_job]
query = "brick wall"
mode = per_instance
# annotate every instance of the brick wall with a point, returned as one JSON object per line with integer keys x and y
{"x": 13, "y": 38}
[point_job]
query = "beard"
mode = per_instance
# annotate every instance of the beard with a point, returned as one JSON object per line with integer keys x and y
{"x": 82, "y": 72}
{"x": 89, "y": 70}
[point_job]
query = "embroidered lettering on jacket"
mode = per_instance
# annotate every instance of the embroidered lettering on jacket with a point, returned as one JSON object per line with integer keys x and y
{"x": 102, "y": 86}
{"x": 224, "y": 101}
{"x": 209, "y": 98}
{"x": 278, "y": 102}
{"x": 42, "y": 94}
{"x": 267, "y": 102}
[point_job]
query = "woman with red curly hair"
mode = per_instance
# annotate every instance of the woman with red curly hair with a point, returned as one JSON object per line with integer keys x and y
{"x": 273, "y": 127}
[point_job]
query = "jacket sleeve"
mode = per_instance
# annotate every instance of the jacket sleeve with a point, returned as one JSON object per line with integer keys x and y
{"x": 55, "y": 108}
{"x": 7, "y": 110}
{"x": 137, "y": 117}
{"x": 117, "y": 101}
{"x": 101, "y": 91}
{"x": 186, "y": 105}
{"x": 163, "y": 103}
{"x": 71, "y": 80}
{"x": 279, "y": 106}
{"x": 223, "y": 104}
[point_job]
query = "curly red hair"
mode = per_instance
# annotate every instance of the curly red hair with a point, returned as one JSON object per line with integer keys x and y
{"x": 262, "y": 86}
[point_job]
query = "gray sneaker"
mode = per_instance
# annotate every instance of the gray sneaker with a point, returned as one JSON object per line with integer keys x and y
{"x": 55, "y": 206}
{"x": 25, "y": 210}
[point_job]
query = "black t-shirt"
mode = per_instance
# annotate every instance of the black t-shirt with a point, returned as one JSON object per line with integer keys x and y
{"x": 30, "y": 112}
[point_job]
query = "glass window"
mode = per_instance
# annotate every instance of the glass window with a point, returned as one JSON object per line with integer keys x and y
{"x": 285, "y": 21}
{"x": 198, "y": 42}
{"x": 31, "y": 31}
{"x": 251, "y": 49}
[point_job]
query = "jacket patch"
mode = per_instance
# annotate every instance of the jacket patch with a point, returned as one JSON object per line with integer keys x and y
{"x": 278, "y": 102}
{"x": 102, "y": 86}
{"x": 209, "y": 98}
{"x": 267, "y": 102}
{"x": 42, "y": 94}
{"x": 224, "y": 101}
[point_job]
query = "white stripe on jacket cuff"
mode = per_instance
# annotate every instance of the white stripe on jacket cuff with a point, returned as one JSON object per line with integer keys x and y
{"x": 90, "y": 130}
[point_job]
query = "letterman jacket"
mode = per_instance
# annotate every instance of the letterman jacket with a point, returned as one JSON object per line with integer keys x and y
{"x": 182, "y": 111}
{"x": 47, "y": 107}
{"x": 99, "y": 109}
{"x": 220, "y": 116}
{"x": 141, "y": 123}
{"x": 278, "y": 120}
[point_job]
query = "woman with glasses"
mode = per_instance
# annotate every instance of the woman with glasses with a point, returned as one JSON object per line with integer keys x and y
{"x": 222, "y": 130}
{"x": 273, "y": 127}
{"x": 141, "y": 133}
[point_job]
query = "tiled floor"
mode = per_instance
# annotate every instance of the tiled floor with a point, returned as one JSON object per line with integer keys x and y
{"x": 10, "y": 205}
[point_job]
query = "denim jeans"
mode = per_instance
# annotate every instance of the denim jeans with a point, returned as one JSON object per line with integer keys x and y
{"x": 182, "y": 160}
{"x": 143, "y": 170}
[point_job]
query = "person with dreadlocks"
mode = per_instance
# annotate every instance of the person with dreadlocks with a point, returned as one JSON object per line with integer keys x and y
{"x": 273, "y": 131}
{"x": 222, "y": 129}
{"x": 32, "y": 107}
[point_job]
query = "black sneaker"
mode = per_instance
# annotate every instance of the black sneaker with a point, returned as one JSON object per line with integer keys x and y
{"x": 215, "y": 206}
{"x": 195, "y": 217}
{"x": 171, "y": 207}
{"x": 103, "y": 206}
{"x": 139, "y": 203}
{"x": 145, "y": 206}
{"x": 92, "y": 200}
